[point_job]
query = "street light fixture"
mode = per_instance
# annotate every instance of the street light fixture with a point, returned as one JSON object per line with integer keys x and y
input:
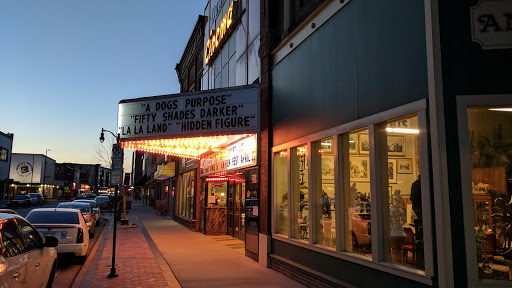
{"x": 44, "y": 175}
{"x": 113, "y": 273}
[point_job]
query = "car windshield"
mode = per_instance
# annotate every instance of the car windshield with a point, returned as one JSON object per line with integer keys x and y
{"x": 101, "y": 199}
{"x": 93, "y": 203}
{"x": 53, "y": 217}
{"x": 33, "y": 195}
{"x": 83, "y": 208}
{"x": 20, "y": 197}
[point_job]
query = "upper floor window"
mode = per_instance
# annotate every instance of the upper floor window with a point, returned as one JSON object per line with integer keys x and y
{"x": 3, "y": 154}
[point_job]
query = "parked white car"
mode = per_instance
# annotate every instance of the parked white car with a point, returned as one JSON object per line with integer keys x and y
{"x": 67, "y": 225}
{"x": 96, "y": 211}
{"x": 25, "y": 260}
{"x": 87, "y": 211}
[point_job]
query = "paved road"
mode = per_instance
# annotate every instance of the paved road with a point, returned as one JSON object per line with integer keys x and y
{"x": 68, "y": 267}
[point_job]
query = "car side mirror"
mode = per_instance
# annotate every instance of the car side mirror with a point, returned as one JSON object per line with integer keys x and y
{"x": 50, "y": 241}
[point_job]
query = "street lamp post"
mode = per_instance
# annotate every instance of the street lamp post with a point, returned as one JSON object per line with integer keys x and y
{"x": 44, "y": 177}
{"x": 113, "y": 273}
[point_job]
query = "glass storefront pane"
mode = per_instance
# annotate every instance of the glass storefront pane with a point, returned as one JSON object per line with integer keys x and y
{"x": 323, "y": 151}
{"x": 357, "y": 193}
{"x": 299, "y": 193}
{"x": 490, "y": 132}
{"x": 403, "y": 226}
{"x": 281, "y": 192}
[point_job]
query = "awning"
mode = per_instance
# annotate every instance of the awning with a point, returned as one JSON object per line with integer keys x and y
{"x": 165, "y": 171}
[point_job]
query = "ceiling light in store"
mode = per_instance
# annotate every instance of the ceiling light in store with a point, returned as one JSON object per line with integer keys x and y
{"x": 283, "y": 154}
{"x": 501, "y": 109}
{"x": 181, "y": 147}
{"x": 403, "y": 130}
{"x": 326, "y": 143}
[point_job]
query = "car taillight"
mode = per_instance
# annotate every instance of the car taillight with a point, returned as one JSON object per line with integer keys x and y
{"x": 88, "y": 217}
{"x": 80, "y": 236}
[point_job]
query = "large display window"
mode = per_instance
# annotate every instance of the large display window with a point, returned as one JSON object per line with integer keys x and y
{"x": 373, "y": 170}
{"x": 186, "y": 194}
{"x": 357, "y": 193}
{"x": 281, "y": 193}
{"x": 486, "y": 166}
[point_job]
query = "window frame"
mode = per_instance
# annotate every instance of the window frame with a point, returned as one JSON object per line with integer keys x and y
{"x": 374, "y": 123}
{"x": 463, "y": 102}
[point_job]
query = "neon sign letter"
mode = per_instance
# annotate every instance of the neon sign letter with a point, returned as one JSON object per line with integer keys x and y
{"x": 217, "y": 34}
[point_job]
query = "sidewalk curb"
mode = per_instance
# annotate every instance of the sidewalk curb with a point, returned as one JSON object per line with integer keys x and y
{"x": 85, "y": 268}
{"x": 164, "y": 266}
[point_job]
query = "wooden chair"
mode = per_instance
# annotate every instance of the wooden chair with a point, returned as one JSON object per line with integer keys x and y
{"x": 409, "y": 245}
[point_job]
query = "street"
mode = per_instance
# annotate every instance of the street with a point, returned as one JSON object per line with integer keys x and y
{"x": 68, "y": 266}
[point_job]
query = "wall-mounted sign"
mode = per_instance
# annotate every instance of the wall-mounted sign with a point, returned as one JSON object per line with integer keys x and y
{"x": 24, "y": 169}
{"x": 210, "y": 112}
{"x": 217, "y": 34}
{"x": 239, "y": 155}
{"x": 491, "y": 24}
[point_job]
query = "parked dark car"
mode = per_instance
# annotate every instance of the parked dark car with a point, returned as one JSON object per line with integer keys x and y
{"x": 104, "y": 202}
{"x": 19, "y": 201}
{"x": 81, "y": 196}
{"x": 90, "y": 196}
{"x": 36, "y": 198}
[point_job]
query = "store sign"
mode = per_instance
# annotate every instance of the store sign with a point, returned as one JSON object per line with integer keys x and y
{"x": 24, "y": 169}
{"x": 217, "y": 35}
{"x": 210, "y": 112}
{"x": 239, "y": 155}
{"x": 491, "y": 24}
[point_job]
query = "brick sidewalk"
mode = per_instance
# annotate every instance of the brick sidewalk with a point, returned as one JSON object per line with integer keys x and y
{"x": 136, "y": 263}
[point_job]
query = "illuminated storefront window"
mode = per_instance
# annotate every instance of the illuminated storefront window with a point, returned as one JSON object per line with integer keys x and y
{"x": 186, "y": 195}
{"x": 281, "y": 192}
{"x": 490, "y": 160}
{"x": 358, "y": 237}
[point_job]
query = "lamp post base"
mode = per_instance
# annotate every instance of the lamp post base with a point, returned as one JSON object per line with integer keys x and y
{"x": 113, "y": 273}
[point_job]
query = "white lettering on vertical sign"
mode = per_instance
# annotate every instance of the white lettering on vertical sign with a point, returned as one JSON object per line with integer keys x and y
{"x": 491, "y": 24}
{"x": 117, "y": 164}
{"x": 239, "y": 155}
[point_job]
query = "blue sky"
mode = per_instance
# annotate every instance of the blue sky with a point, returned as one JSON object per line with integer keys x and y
{"x": 65, "y": 65}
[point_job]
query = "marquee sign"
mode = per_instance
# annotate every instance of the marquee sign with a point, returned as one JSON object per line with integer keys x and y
{"x": 239, "y": 155}
{"x": 211, "y": 112}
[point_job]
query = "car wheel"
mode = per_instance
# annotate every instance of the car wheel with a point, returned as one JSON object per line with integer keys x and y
{"x": 52, "y": 276}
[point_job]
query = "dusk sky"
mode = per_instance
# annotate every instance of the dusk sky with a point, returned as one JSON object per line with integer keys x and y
{"x": 65, "y": 65}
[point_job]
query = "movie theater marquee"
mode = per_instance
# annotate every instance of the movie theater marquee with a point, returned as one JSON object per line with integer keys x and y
{"x": 212, "y": 112}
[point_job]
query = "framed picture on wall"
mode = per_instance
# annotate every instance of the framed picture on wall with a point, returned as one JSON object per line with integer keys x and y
{"x": 404, "y": 166}
{"x": 364, "y": 143}
{"x": 392, "y": 170}
{"x": 353, "y": 143}
{"x": 359, "y": 168}
{"x": 396, "y": 145}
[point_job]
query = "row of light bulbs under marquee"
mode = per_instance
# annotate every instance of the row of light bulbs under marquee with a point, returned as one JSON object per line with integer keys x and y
{"x": 192, "y": 147}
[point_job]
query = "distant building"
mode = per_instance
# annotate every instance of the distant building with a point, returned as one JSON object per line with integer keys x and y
{"x": 93, "y": 177}
{"x": 68, "y": 177}
{"x": 5, "y": 162}
{"x": 32, "y": 173}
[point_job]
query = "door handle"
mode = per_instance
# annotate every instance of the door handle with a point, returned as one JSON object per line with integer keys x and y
{"x": 16, "y": 275}
{"x": 38, "y": 264}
